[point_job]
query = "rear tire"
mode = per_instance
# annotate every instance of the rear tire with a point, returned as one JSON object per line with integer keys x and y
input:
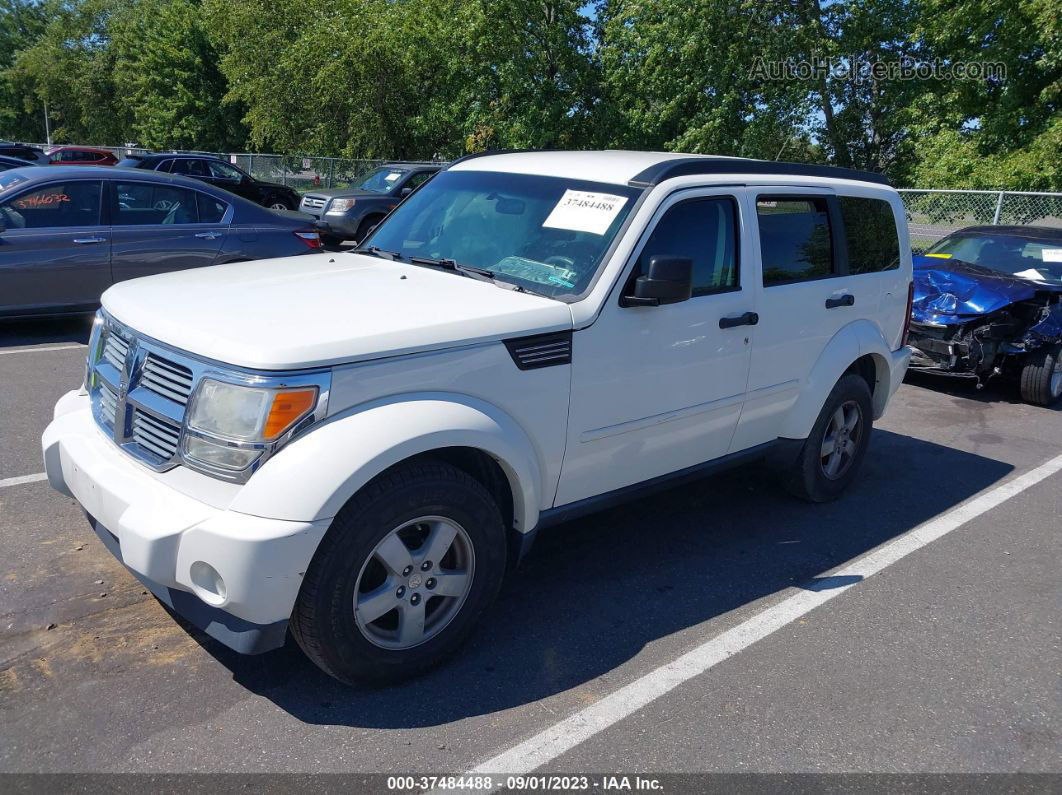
{"x": 1041, "y": 376}
{"x": 371, "y": 586}
{"x": 831, "y": 456}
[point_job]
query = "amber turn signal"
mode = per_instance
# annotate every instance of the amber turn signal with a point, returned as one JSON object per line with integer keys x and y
{"x": 289, "y": 406}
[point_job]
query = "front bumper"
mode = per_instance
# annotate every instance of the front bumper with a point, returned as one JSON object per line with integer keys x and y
{"x": 162, "y": 535}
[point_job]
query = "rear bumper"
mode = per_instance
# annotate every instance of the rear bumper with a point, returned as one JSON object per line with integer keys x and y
{"x": 166, "y": 537}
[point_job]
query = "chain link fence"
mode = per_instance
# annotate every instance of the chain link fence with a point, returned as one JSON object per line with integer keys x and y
{"x": 932, "y": 214}
{"x": 302, "y": 173}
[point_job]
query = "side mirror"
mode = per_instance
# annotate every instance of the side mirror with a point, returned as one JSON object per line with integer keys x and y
{"x": 669, "y": 281}
{"x": 405, "y": 192}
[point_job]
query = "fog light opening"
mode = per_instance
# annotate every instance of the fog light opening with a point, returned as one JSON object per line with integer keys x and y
{"x": 209, "y": 582}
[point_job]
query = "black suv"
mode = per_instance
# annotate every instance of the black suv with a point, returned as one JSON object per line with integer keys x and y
{"x": 349, "y": 213}
{"x": 217, "y": 172}
{"x": 31, "y": 154}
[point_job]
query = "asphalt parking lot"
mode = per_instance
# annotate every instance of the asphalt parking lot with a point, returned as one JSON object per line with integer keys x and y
{"x": 947, "y": 658}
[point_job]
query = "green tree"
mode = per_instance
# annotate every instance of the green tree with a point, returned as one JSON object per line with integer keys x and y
{"x": 679, "y": 75}
{"x": 999, "y": 132}
{"x": 21, "y": 23}
{"x": 70, "y": 65}
{"x": 166, "y": 72}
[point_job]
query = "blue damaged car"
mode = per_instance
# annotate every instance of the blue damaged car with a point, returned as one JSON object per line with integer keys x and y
{"x": 988, "y": 302}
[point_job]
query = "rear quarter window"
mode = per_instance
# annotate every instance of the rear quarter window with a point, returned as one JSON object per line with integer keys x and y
{"x": 870, "y": 232}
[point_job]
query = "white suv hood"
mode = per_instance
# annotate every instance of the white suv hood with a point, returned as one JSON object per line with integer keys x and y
{"x": 322, "y": 309}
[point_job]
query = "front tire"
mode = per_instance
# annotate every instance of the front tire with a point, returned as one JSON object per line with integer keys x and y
{"x": 278, "y": 203}
{"x": 1041, "y": 376}
{"x": 834, "y": 450}
{"x": 408, "y": 567}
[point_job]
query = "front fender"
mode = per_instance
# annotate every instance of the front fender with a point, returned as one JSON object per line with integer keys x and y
{"x": 315, "y": 475}
{"x": 859, "y": 338}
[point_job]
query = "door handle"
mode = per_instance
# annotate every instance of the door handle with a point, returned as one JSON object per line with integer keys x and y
{"x": 842, "y": 300}
{"x": 208, "y": 235}
{"x": 84, "y": 241}
{"x": 747, "y": 319}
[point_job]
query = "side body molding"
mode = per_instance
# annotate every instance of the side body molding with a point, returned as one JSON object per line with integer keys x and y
{"x": 334, "y": 460}
{"x": 859, "y": 338}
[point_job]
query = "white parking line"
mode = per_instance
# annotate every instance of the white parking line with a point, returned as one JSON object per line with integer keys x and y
{"x": 547, "y": 745}
{"x": 22, "y": 479}
{"x": 43, "y": 348}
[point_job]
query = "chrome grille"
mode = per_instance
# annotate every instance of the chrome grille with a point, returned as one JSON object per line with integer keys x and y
{"x": 156, "y": 435}
{"x": 115, "y": 349}
{"x": 108, "y": 404}
{"x": 168, "y": 379}
{"x": 140, "y": 390}
{"x": 314, "y": 202}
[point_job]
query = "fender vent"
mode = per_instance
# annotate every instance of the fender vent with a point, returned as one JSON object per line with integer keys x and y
{"x": 541, "y": 350}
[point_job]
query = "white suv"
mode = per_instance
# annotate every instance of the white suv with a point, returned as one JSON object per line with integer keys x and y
{"x": 357, "y": 448}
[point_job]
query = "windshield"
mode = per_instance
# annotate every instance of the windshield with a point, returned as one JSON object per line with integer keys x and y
{"x": 382, "y": 179}
{"x": 1038, "y": 260}
{"x": 9, "y": 178}
{"x": 547, "y": 234}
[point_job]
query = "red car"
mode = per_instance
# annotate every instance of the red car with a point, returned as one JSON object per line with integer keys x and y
{"x": 80, "y": 156}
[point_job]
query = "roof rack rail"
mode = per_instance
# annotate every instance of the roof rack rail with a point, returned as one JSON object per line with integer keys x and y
{"x": 686, "y": 166}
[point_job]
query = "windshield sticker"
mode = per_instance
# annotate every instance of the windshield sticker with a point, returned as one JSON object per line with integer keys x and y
{"x": 393, "y": 176}
{"x": 538, "y": 272}
{"x": 583, "y": 211}
{"x": 940, "y": 256}
{"x": 1051, "y": 255}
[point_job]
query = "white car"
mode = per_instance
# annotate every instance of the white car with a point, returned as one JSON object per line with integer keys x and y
{"x": 358, "y": 448}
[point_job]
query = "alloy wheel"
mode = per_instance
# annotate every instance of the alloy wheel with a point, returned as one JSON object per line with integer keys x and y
{"x": 414, "y": 583}
{"x": 841, "y": 440}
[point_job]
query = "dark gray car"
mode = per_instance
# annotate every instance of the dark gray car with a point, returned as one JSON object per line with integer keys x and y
{"x": 67, "y": 234}
{"x": 349, "y": 213}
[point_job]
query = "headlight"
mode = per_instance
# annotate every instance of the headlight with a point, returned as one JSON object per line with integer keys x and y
{"x": 247, "y": 413}
{"x": 230, "y": 425}
{"x": 339, "y": 206}
{"x": 93, "y": 352}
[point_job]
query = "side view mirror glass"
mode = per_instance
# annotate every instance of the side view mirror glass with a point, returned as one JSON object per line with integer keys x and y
{"x": 669, "y": 280}
{"x": 405, "y": 192}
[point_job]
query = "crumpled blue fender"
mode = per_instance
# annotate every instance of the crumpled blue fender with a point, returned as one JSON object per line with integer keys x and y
{"x": 1048, "y": 330}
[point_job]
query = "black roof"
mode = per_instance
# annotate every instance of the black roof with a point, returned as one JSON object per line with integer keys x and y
{"x": 686, "y": 166}
{"x": 1052, "y": 234}
{"x": 716, "y": 164}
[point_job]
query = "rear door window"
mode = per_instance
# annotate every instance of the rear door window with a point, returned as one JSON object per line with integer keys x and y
{"x": 211, "y": 210}
{"x": 144, "y": 203}
{"x": 795, "y": 239}
{"x": 59, "y": 204}
{"x": 870, "y": 231}
{"x": 191, "y": 167}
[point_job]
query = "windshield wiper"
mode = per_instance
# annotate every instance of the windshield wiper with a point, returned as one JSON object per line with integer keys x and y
{"x": 376, "y": 251}
{"x": 453, "y": 265}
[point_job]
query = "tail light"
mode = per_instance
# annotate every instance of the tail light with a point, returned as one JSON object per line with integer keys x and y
{"x": 309, "y": 237}
{"x": 907, "y": 317}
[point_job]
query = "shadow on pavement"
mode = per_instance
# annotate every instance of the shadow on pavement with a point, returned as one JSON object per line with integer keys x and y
{"x": 997, "y": 390}
{"x": 595, "y": 591}
{"x": 43, "y": 331}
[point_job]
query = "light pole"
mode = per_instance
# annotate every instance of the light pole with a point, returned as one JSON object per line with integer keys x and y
{"x": 47, "y": 126}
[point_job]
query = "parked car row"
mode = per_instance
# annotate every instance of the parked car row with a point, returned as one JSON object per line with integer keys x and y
{"x": 67, "y": 234}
